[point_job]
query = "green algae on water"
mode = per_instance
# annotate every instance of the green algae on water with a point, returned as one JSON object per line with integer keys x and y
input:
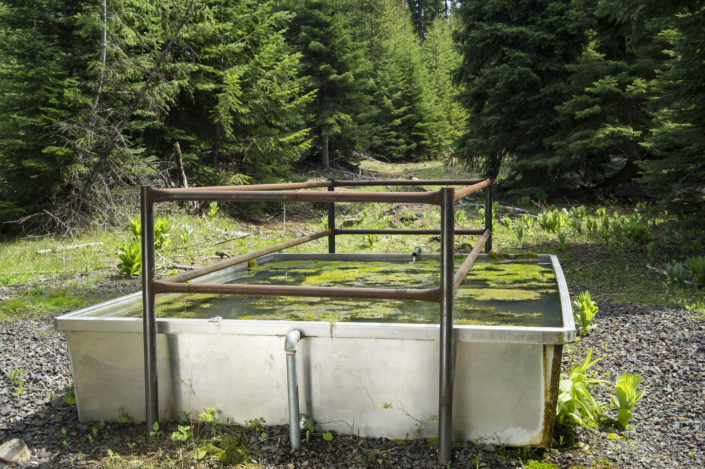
{"x": 499, "y": 292}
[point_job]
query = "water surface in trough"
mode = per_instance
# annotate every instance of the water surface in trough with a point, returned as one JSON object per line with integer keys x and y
{"x": 493, "y": 293}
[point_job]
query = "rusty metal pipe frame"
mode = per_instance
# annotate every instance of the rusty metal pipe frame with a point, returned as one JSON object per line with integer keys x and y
{"x": 469, "y": 261}
{"x": 466, "y": 191}
{"x": 148, "y": 312}
{"x": 245, "y": 257}
{"x": 404, "y": 182}
{"x": 331, "y": 222}
{"x": 392, "y": 231}
{"x": 446, "y": 198}
{"x": 488, "y": 217}
{"x": 162, "y": 195}
{"x": 421, "y": 294}
{"x": 445, "y": 388}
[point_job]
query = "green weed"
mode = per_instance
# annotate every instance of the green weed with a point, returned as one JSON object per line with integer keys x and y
{"x": 575, "y": 403}
{"x": 130, "y": 255}
{"x": 696, "y": 267}
{"x": 627, "y": 394}
{"x": 584, "y": 311}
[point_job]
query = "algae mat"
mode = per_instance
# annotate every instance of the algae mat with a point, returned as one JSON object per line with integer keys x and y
{"x": 494, "y": 293}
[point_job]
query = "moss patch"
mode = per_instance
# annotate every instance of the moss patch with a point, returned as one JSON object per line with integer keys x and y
{"x": 496, "y": 292}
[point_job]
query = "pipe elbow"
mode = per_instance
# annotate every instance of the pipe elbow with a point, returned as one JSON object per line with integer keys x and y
{"x": 292, "y": 338}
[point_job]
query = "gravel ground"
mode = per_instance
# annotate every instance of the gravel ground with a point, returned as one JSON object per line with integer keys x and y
{"x": 666, "y": 346}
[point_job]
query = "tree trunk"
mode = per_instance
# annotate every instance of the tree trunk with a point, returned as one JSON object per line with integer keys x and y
{"x": 180, "y": 165}
{"x": 103, "y": 48}
{"x": 325, "y": 159}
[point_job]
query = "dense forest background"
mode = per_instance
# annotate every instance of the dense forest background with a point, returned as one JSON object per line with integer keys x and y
{"x": 582, "y": 95}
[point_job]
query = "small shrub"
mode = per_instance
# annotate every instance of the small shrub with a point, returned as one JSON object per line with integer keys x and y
{"x": 528, "y": 220}
{"x": 627, "y": 394}
{"x": 212, "y": 209}
{"x": 507, "y": 222}
{"x": 182, "y": 434}
{"x": 562, "y": 237}
{"x": 584, "y": 312}
{"x": 637, "y": 232}
{"x": 519, "y": 230}
{"x": 696, "y": 267}
{"x": 186, "y": 234}
{"x": 130, "y": 254}
{"x": 551, "y": 221}
{"x": 577, "y": 225}
{"x": 135, "y": 227}
{"x": 162, "y": 227}
{"x": 575, "y": 403}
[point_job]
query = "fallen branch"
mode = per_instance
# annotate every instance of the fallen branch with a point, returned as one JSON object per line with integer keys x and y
{"x": 172, "y": 265}
{"x": 663, "y": 272}
{"x": 586, "y": 265}
{"x": 69, "y": 248}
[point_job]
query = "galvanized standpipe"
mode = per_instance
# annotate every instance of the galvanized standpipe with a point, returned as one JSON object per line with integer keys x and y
{"x": 149, "y": 318}
{"x": 445, "y": 390}
{"x": 292, "y": 384}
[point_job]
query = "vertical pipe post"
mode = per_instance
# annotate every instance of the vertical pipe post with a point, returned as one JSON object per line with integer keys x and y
{"x": 488, "y": 216}
{"x": 445, "y": 391}
{"x": 331, "y": 220}
{"x": 148, "y": 313}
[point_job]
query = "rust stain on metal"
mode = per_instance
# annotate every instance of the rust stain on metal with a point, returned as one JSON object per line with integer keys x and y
{"x": 551, "y": 381}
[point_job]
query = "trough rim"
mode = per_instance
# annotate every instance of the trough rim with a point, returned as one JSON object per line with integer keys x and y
{"x": 80, "y": 320}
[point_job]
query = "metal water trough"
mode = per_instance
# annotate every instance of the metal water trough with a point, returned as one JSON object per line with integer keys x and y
{"x": 505, "y": 379}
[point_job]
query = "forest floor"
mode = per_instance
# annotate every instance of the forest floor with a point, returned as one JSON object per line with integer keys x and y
{"x": 638, "y": 329}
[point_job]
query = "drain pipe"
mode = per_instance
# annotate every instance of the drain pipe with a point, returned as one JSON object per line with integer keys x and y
{"x": 292, "y": 384}
{"x": 415, "y": 254}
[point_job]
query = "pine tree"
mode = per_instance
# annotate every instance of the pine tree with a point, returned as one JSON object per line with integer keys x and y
{"x": 41, "y": 81}
{"x": 239, "y": 114}
{"x": 678, "y": 167}
{"x": 336, "y": 68}
{"x": 513, "y": 76}
{"x": 408, "y": 124}
{"x": 606, "y": 117}
{"x": 441, "y": 59}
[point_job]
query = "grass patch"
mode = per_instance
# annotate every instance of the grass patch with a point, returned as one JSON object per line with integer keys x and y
{"x": 618, "y": 254}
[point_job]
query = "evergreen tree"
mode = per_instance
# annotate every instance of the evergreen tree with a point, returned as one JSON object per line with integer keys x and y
{"x": 441, "y": 59}
{"x": 676, "y": 141}
{"x": 606, "y": 118}
{"x": 336, "y": 68}
{"x": 41, "y": 80}
{"x": 408, "y": 124}
{"x": 513, "y": 76}
{"x": 239, "y": 114}
{"x": 425, "y": 12}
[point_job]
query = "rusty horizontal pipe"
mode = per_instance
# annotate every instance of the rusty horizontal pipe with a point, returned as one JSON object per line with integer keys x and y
{"x": 161, "y": 195}
{"x": 469, "y": 261}
{"x": 265, "y": 187}
{"x": 405, "y": 182}
{"x": 428, "y": 294}
{"x": 392, "y": 231}
{"x": 466, "y": 191}
{"x": 244, "y": 257}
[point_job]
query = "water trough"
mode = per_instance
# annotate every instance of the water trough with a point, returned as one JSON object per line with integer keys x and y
{"x": 472, "y": 380}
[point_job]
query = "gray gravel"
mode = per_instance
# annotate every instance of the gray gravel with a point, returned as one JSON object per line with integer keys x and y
{"x": 667, "y": 346}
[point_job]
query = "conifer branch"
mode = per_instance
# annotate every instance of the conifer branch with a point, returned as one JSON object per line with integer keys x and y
{"x": 133, "y": 106}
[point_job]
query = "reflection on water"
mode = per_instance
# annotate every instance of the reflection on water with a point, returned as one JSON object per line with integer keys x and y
{"x": 493, "y": 293}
